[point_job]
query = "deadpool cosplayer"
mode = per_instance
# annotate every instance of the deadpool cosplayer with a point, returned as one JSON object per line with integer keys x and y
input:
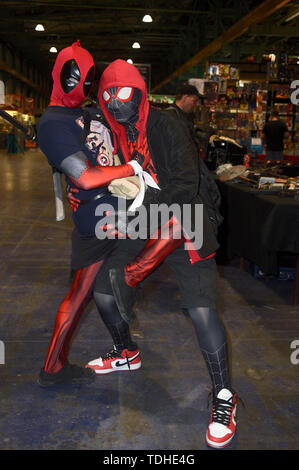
{"x": 173, "y": 164}
{"x": 88, "y": 166}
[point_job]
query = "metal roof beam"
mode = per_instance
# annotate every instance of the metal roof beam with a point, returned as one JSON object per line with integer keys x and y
{"x": 97, "y": 6}
{"x": 265, "y": 9}
{"x": 20, "y": 76}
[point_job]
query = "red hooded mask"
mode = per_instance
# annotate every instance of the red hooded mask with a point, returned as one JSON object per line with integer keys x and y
{"x": 73, "y": 74}
{"x": 118, "y": 75}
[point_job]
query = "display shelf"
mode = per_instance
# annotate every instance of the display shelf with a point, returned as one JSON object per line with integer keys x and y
{"x": 242, "y": 117}
{"x": 242, "y": 108}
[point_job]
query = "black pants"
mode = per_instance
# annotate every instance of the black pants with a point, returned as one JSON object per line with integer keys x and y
{"x": 198, "y": 287}
{"x": 196, "y": 282}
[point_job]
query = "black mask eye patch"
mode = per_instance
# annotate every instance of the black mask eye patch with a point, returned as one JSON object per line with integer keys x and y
{"x": 88, "y": 80}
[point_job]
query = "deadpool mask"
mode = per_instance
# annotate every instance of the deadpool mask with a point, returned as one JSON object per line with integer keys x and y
{"x": 73, "y": 74}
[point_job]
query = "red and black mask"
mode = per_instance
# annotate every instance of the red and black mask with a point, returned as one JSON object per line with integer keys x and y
{"x": 73, "y": 74}
{"x": 123, "y": 100}
{"x": 123, "y": 104}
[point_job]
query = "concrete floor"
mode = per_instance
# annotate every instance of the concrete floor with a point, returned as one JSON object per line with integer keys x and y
{"x": 164, "y": 404}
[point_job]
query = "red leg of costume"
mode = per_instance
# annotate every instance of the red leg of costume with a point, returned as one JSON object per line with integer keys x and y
{"x": 68, "y": 316}
{"x": 161, "y": 244}
{"x": 154, "y": 252}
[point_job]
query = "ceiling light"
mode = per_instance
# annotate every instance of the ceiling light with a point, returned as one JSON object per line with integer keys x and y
{"x": 39, "y": 27}
{"x": 53, "y": 49}
{"x": 136, "y": 45}
{"x": 130, "y": 61}
{"x": 147, "y": 19}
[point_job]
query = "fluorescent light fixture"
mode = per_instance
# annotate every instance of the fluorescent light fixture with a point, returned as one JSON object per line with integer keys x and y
{"x": 147, "y": 19}
{"x": 39, "y": 27}
{"x": 53, "y": 49}
{"x": 136, "y": 45}
{"x": 130, "y": 61}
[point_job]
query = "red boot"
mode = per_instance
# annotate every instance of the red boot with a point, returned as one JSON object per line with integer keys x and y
{"x": 67, "y": 319}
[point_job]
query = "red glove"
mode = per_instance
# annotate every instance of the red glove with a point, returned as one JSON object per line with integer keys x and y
{"x": 98, "y": 176}
{"x": 73, "y": 201}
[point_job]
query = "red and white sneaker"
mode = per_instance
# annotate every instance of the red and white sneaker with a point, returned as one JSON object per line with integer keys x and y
{"x": 115, "y": 361}
{"x": 222, "y": 425}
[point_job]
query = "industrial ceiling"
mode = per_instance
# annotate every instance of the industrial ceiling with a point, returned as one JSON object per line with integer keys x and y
{"x": 177, "y": 43}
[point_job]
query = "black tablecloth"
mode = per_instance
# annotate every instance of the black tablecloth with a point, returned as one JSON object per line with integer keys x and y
{"x": 258, "y": 226}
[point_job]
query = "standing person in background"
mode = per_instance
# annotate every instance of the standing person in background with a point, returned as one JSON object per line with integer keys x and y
{"x": 186, "y": 100}
{"x": 274, "y": 132}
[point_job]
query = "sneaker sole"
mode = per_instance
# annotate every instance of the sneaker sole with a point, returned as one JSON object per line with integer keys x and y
{"x": 218, "y": 445}
{"x": 120, "y": 369}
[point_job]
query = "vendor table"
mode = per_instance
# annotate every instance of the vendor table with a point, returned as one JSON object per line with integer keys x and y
{"x": 257, "y": 226}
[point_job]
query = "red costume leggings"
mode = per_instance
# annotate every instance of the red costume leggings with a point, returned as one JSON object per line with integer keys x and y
{"x": 68, "y": 316}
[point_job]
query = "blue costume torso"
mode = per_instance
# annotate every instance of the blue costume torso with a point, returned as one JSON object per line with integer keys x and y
{"x": 59, "y": 134}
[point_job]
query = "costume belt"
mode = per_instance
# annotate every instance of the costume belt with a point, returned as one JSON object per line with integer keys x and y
{"x": 98, "y": 196}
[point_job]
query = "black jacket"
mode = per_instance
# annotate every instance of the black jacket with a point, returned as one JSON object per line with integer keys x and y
{"x": 184, "y": 118}
{"x": 175, "y": 158}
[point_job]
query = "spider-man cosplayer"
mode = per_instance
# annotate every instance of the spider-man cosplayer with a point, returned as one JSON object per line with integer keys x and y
{"x": 87, "y": 166}
{"x": 173, "y": 163}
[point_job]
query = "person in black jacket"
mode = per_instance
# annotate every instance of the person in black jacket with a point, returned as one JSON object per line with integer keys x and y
{"x": 173, "y": 167}
{"x": 186, "y": 99}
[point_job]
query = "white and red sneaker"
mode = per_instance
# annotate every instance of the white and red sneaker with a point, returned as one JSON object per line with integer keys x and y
{"x": 115, "y": 361}
{"x": 222, "y": 425}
